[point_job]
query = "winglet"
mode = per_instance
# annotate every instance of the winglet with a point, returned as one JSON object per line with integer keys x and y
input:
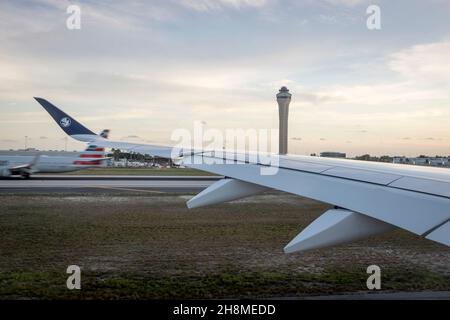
{"x": 70, "y": 126}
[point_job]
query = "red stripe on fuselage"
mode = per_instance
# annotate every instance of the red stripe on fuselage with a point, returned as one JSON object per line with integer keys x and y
{"x": 95, "y": 149}
{"x": 88, "y": 163}
{"x": 91, "y": 156}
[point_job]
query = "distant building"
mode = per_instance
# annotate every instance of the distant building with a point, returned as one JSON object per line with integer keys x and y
{"x": 330, "y": 154}
{"x": 424, "y": 161}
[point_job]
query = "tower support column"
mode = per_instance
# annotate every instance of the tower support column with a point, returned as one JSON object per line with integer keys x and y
{"x": 283, "y": 99}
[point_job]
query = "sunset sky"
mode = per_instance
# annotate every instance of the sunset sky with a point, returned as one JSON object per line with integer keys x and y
{"x": 146, "y": 68}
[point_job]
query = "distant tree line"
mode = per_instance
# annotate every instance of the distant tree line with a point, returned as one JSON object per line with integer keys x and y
{"x": 368, "y": 157}
{"x": 117, "y": 154}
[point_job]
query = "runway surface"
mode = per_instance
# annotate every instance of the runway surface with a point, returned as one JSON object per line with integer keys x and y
{"x": 122, "y": 177}
{"x": 421, "y": 295}
{"x": 89, "y": 183}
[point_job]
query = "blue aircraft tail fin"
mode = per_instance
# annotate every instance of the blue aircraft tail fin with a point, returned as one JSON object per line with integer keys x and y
{"x": 66, "y": 122}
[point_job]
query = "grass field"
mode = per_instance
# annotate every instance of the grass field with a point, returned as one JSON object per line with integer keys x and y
{"x": 141, "y": 246}
{"x": 142, "y": 172}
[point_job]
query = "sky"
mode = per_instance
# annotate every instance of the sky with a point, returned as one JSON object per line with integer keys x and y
{"x": 146, "y": 68}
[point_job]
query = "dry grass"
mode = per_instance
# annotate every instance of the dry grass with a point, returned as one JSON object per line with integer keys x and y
{"x": 147, "y": 246}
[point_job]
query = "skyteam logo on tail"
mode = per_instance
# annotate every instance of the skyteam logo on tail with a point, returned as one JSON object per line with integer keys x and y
{"x": 65, "y": 122}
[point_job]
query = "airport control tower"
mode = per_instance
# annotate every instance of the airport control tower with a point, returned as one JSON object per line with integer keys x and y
{"x": 283, "y": 99}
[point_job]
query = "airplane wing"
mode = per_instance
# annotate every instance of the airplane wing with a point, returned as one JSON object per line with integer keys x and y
{"x": 368, "y": 198}
{"x": 25, "y": 169}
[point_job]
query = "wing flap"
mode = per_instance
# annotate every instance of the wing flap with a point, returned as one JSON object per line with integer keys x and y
{"x": 430, "y": 186}
{"x": 362, "y": 175}
{"x": 304, "y": 166}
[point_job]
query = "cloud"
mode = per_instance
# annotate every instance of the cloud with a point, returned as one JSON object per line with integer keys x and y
{"x": 40, "y": 17}
{"x": 327, "y": 19}
{"x": 347, "y": 3}
{"x": 425, "y": 62}
{"x": 316, "y": 98}
{"x": 133, "y": 67}
{"x": 419, "y": 74}
{"x": 214, "y": 5}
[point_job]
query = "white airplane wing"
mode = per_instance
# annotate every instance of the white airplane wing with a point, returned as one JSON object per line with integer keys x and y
{"x": 26, "y": 168}
{"x": 368, "y": 198}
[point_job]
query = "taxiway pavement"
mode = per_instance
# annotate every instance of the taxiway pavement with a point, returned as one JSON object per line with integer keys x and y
{"x": 91, "y": 183}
